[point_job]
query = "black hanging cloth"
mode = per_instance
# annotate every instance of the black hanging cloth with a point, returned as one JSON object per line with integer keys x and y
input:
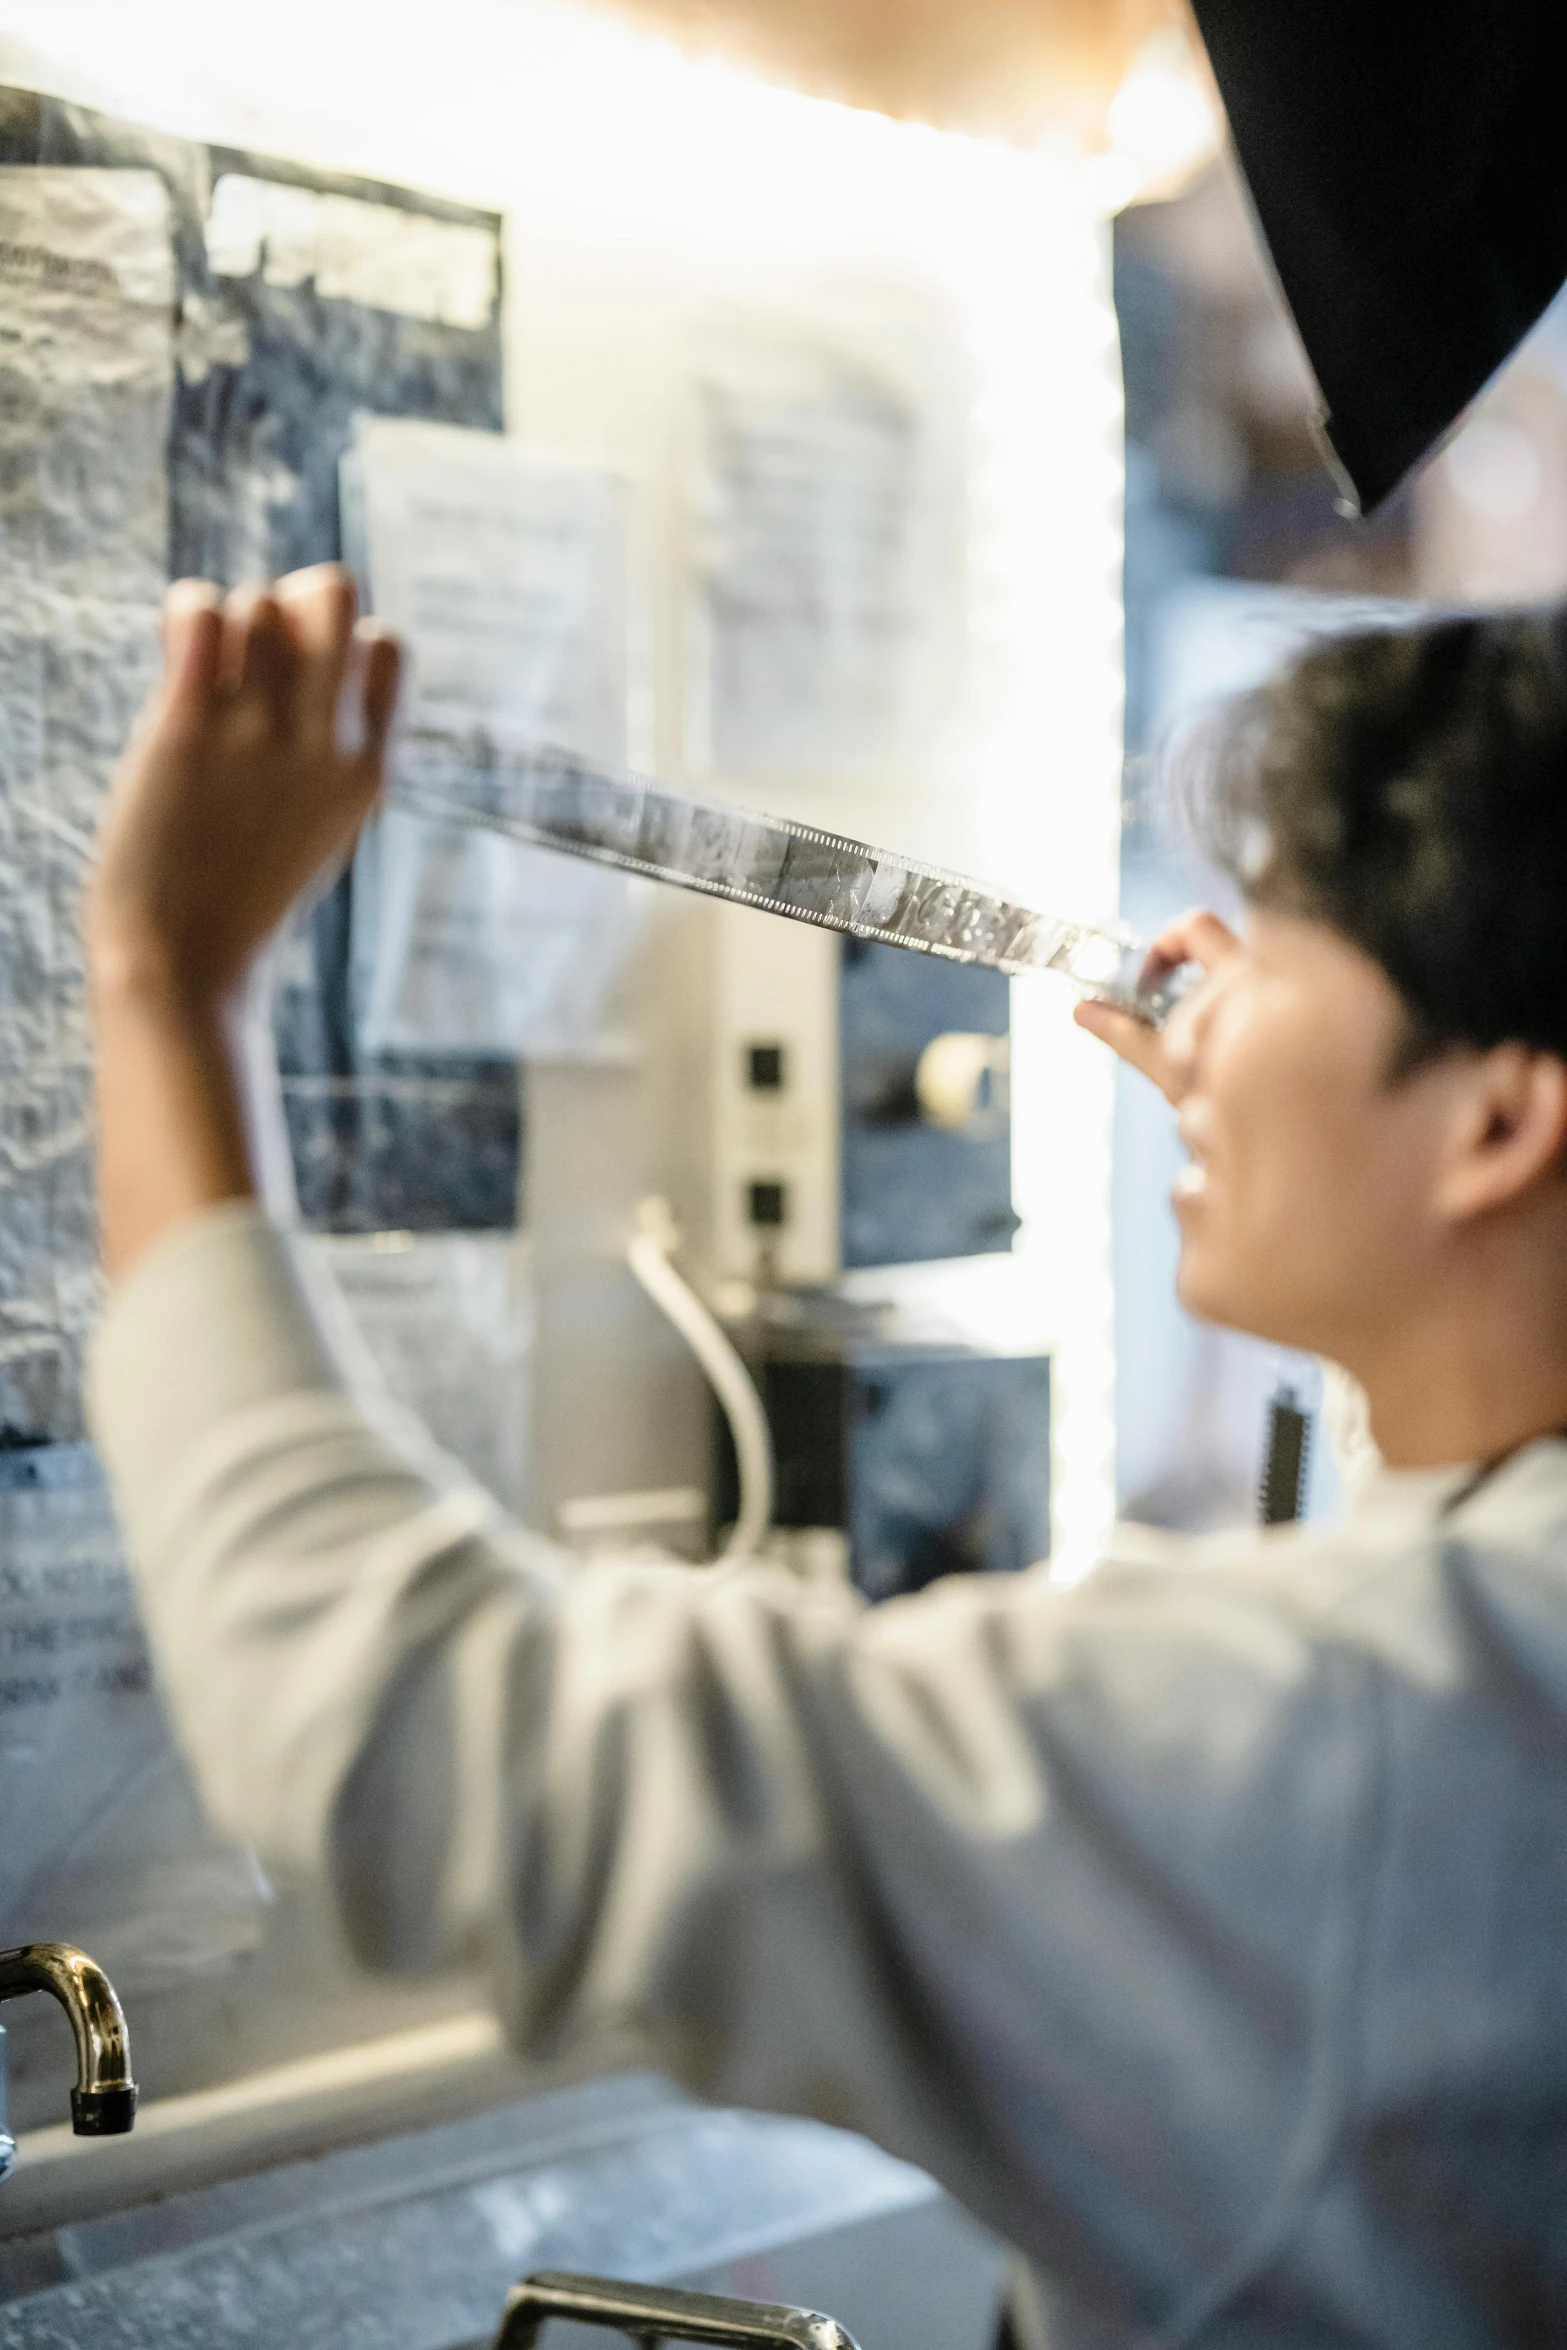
{"x": 1408, "y": 163}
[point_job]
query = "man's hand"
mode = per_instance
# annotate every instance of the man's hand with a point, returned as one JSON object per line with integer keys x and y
{"x": 255, "y": 762}
{"x": 1167, "y": 1054}
{"x": 253, "y": 766}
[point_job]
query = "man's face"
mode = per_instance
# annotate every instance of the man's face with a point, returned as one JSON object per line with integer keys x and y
{"x": 1307, "y": 1212}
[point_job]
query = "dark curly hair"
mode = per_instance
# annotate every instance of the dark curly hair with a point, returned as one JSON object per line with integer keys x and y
{"x": 1407, "y": 785}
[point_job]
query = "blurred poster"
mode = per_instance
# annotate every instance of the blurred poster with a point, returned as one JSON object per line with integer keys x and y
{"x": 828, "y": 546}
{"x": 86, "y": 369}
{"x": 378, "y": 255}
{"x": 447, "y": 1320}
{"x": 469, "y": 943}
{"x": 505, "y": 572}
{"x": 105, "y": 1842}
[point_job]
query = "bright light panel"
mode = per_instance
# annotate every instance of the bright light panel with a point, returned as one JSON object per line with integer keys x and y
{"x": 594, "y": 132}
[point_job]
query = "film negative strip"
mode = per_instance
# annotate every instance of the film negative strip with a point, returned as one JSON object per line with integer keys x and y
{"x": 536, "y": 793}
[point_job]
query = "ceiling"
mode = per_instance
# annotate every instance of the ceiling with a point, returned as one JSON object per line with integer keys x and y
{"x": 1009, "y": 68}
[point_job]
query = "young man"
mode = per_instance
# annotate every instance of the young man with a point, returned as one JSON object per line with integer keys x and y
{"x": 1204, "y": 1928}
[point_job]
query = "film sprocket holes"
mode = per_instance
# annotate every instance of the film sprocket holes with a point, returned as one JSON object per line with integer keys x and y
{"x": 534, "y": 792}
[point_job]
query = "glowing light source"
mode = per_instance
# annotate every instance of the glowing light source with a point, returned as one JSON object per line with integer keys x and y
{"x": 1164, "y": 122}
{"x": 1496, "y": 469}
{"x": 602, "y": 139}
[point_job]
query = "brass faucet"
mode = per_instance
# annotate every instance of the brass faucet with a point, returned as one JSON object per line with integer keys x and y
{"x": 103, "y": 2102}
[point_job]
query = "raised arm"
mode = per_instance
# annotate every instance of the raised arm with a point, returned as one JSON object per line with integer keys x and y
{"x": 1008, "y": 1878}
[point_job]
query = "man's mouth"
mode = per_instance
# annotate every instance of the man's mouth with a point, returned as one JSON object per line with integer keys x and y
{"x": 1192, "y": 1123}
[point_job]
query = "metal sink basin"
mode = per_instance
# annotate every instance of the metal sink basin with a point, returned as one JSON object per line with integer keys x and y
{"x": 412, "y": 2243}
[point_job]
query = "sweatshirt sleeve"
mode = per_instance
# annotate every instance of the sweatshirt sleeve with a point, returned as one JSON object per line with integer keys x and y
{"x": 1055, "y": 1893}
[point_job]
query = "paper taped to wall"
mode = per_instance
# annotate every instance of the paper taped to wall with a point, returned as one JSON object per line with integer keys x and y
{"x": 505, "y": 573}
{"x": 86, "y": 365}
{"x": 828, "y": 518}
{"x": 468, "y": 942}
{"x": 351, "y": 251}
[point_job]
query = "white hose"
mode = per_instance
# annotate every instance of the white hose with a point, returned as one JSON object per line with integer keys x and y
{"x": 652, "y": 1243}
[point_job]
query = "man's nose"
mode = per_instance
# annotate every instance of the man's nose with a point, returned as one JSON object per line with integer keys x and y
{"x": 1182, "y": 1040}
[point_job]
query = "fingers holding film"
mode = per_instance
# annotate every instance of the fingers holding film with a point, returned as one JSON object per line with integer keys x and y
{"x": 1198, "y": 936}
{"x": 1167, "y": 1055}
{"x": 1133, "y": 1040}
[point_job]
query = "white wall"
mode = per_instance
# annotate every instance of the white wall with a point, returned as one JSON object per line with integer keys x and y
{"x": 640, "y": 189}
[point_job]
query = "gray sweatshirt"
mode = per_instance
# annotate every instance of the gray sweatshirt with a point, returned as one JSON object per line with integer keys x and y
{"x": 1202, "y": 1928}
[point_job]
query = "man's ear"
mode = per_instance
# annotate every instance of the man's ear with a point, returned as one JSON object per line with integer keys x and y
{"x": 1509, "y": 1132}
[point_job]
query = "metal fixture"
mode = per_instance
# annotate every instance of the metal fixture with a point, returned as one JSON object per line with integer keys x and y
{"x": 963, "y": 1083}
{"x": 1282, "y": 1498}
{"x": 103, "y": 2102}
{"x": 652, "y": 2314}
